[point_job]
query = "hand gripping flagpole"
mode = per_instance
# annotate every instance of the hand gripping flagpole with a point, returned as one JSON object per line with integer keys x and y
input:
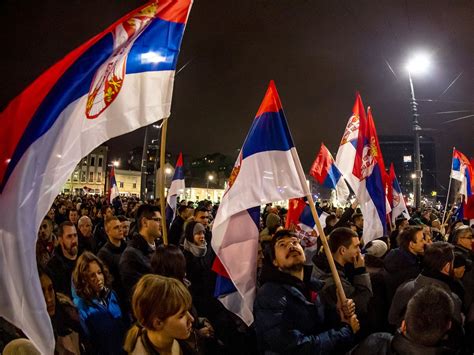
{"x": 163, "y": 181}
{"x": 322, "y": 235}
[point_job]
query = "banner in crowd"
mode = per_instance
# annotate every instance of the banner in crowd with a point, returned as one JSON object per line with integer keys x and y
{"x": 118, "y": 81}
{"x": 176, "y": 188}
{"x": 265, "y": 171}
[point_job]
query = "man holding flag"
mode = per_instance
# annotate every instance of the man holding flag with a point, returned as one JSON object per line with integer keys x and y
{"x": 118, "y": 81}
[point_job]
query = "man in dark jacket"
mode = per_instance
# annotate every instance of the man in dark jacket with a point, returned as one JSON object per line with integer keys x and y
{"x": 62, "y": 264}
{"x": 426, "y": 322}
{"x": 111, "y": 252}
{"x": 135, "y": 259}
{"x": 344, "y": 245}
{"x": 404, "y": 263}
{"x": 288, "y": 315}
{"x": 462, "y": 240}
{"x": 177, "y": 227}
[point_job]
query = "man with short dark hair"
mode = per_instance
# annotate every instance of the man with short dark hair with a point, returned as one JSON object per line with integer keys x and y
{"x": 125, "y": 223}
{"x": 404, "y": 263}
{"x": 427, "y": 320}
{"x": 289, "y": 317}
{"x": 437, "y": 270}
{"x": 358, "y": 223}
{"x": 63, "y": 262}
{"x": 344, "y": 245}
{"x": 73, "y": 216}
{"x": 135, "y": 259}
{"x": 177, "y": 227}
{"x": 111, "y": 252}
{"x": 46, "y": 242}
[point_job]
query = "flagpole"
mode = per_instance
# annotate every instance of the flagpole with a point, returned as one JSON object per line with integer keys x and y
{"x": 163, "y": 181}
{"x": 449, "y": 188}
{"x": 322, "y": 235}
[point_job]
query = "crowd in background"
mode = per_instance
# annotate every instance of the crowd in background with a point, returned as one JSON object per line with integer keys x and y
{"x": 111, "y": 286}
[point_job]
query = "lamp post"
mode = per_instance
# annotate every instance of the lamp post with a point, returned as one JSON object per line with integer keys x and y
{"x": 418, "y": 64}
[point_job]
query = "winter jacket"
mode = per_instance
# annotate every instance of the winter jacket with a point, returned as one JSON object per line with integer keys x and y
{"x": 110, "y": 255}
{"x": 60, "y": 268}
{"x": 387, "y": 344}
{"x": 176, "y": 230}
{"x": 290, "y": 319}
{"x": 399, "y": 266}
{"x": 134, "y": 263}
{"x": 357, "y": 286}
{"x": 102, "y": 323}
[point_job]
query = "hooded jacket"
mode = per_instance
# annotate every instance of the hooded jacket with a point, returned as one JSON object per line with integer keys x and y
{"x": 290, "y": 319}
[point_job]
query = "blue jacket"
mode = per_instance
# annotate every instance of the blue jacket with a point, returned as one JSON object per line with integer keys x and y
{"x": 286, "y": 322}
{"x": 102, "y": 323}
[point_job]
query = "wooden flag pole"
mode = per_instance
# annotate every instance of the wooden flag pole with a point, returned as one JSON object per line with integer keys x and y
{"x": 163, "y": 181}
{"x": 449, "y": 190}
{"x": 322, "y": 235}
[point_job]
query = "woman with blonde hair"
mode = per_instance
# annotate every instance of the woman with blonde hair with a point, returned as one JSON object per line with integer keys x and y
{"x": 100, "y": 315}
{"x": 161, "y": 306}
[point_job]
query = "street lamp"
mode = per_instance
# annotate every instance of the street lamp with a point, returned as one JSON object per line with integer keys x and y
{"x": 116, "y": 163}
{"x": 417, "y": 65}
{"x": 209, "y": 178}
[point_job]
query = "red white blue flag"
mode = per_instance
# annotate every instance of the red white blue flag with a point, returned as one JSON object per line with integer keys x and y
{"x": 118, "y": 81}
{"x": 369, "y": 168}
{"x": 267, "y": 170}
{"x": 462, "y": 171}
{"x": 176, "y": 188}
{"x": 325, "y": 171}
{"x": 395, "y": 197}
{"x": 113, "y": 188}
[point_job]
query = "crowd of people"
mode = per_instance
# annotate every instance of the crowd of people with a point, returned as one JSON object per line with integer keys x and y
{"x": 111, "y": 286}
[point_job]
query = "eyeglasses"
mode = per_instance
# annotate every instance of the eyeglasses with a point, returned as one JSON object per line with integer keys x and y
{"x": 156, "y": 219}
{"x": 470, "y": 237}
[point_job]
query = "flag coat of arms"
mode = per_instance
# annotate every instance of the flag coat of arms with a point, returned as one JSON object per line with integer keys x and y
{"x": 118, "y": 81}
{"x": 266, "y": 171}
{"x": 176, "y": 188}
{"x": 325, "y": 171}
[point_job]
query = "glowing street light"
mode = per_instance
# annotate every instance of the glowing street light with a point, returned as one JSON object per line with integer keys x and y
{"x": 417, "y": 65}
{"x": 116, "y": 163}
{"x": 168, "y": 171}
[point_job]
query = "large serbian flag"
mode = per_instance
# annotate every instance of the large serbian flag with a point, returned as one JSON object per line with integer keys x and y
{"x": 325, "y": 171}
{"x": 267, "y": 170}
{"x": 369, "y": 167}
{"x": 116, "y": 82}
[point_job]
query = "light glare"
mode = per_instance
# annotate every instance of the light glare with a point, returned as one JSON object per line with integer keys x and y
{"x": 419, "y": 64}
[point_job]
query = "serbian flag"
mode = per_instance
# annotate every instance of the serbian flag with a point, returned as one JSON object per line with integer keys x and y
{"x": 370, "y": 169}
{"x": 325, "y": 171}
{"x": 462, "y": 171}
{"x": 395, "y": 197}
{"x": 300, "y": 220}
{"x": 118, "y": 81}
{"x": 113, "y": 188}
{"x": 346, "y": 153}
{"x": 176, "y": 188}
{"x": 267, "y": 170}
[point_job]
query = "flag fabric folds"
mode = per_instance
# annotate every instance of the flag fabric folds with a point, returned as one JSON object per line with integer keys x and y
{"x": 369, "y": 168}
{"x": 396, "y": 200}
{"x": 118, "y": 81}
{"x": 462, "y": 171}
{"x": 266, "y": 171}
{"x": 325, "y": 171}
{"x": 113, "y": 188}
{"x": 176, "y": 188}
{"x": 346, "y": 154}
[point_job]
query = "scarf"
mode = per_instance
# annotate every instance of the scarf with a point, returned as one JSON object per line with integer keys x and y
{"x": 196, "y": 250}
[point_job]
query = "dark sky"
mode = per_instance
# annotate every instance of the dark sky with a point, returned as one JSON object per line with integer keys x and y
{"x": 318, "y": 52}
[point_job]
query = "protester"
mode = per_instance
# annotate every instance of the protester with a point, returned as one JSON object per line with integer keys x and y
{"x": 177, "y": 227}
{"x": 135, "y": 259}
{"x": 46, "y": 242}
{"x": 101, "y": 318}
{"x": 287, "y": 317}
{"x": 62, "y": 264}
{"x": 85, "y": 238}
{"x": 161, "y": 306}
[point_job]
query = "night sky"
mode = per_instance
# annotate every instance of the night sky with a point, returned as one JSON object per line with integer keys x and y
{"x": 318, "y": 52}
